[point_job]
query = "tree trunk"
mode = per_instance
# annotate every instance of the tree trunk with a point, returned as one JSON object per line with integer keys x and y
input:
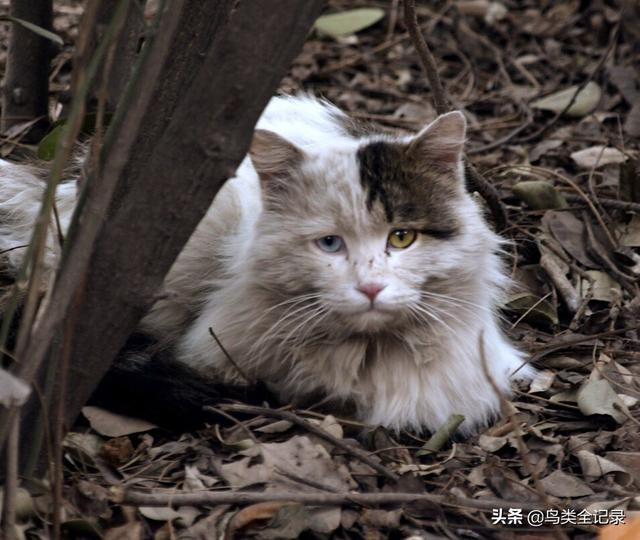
{"x": 25, "y": 89}
{"x": 187, "y": 125}
{"x": 125, "y": 52}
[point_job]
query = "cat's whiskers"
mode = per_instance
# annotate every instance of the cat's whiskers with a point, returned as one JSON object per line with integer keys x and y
{"x": 292, "y": 339}
{"x": 456, "y": 302}
{"x": 301, "y": 332}
{"x": 294, "y": 300}
{"x": 291, "y": 311}
{"x": 427, "y": 312}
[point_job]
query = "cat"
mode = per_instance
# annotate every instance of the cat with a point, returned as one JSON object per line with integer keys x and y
{"x": 340, "y": 262}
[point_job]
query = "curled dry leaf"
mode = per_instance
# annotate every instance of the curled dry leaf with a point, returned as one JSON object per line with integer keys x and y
{"x": 603, "y": 286}
{"x": 561, "y": 484}
{"x": 542, "y": 381}
{"x": 491, "y": 444}
{"x": 114, "y": 425}
{"x": 597, "y": 397}
{"x": 594, "y": 467}
{"x": 284, "y": 520}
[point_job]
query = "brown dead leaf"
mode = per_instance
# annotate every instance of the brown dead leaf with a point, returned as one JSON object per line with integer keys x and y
{"x": 624, "y": 531}
{"x": 561, "y": 484}
{"x": 129, "y": 531}
{"x": 288, "y": 465}
{"x": 117, "y": 451}
{"x": 259, "y": 512}
{"x": 629, "y": 460}
{"x": 571, "y": 234}
{"x": 597, "y": 156}
{"x": 597, "y": 397}
{"x": 114, "y": 425}
{"x": 594, "y": 467}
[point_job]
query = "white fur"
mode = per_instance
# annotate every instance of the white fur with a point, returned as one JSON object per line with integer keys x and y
{"x": 291, "y": 315}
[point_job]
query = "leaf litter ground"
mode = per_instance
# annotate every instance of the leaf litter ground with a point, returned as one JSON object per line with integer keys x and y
{"x": 571, "y": 185}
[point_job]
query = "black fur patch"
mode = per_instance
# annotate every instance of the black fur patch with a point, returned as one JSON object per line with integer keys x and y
{"x": 410, "y": 191}
{"x": 149, "y": 383}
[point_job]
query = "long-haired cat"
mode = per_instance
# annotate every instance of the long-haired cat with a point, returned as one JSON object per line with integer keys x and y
{"x": 337, "y": 262}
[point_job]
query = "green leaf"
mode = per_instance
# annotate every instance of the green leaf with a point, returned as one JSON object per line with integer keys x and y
{"x": 585, "y": 102}
{"x": 34, "y": 28}
{"x": 47, "y": 146}
{"x": 442, "y": 435}
{"x": 348, "y": 22}
{"x": 539, "y": 195}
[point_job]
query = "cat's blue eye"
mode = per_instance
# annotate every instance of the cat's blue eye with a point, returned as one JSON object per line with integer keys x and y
{"x": 330, "y": 244}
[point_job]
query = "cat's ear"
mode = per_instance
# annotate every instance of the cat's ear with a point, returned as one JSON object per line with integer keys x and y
{"x": 273, "y": 156}
{"x": 442, "y": 140}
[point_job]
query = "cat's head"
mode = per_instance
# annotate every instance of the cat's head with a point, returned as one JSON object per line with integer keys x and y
{"x": 369, "y": 232}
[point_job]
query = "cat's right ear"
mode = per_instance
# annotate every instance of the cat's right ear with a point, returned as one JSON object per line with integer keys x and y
{"x": 273, "y": 157}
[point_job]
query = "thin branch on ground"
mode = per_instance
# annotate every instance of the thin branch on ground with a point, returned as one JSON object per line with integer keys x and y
{"x": 316, "y": 430}
{"x": 214, "y": 498}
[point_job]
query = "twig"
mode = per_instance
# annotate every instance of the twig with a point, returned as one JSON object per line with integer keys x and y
{"x": 214, "y": 498}
{"x": 564, "y": 286}
{"x": 553, "y": 347}
{"x": 613, "y": 204}
{"x": 318, "y": 431}
{"x": 230, "y": 359}
{"x": 489, "y": 193}
{"x": 411, "y": 21}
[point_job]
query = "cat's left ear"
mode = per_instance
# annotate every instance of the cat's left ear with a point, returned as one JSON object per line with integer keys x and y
{"x": 442, "y": 140}
{"x": 272, "y": 156}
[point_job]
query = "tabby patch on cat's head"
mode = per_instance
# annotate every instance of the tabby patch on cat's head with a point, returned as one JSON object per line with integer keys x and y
{"x": 417, "y": 182}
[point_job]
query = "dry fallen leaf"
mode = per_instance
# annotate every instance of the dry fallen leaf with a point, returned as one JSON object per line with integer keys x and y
{"x": 624, "y": 531}
{"x": 597, "y": 156}
{"x": 561, "y": 484}
{"x": 585, "y": 102}
{"x": 542, "y": 381}
{"x": 114, "y": 425}
{"x": 593, "y": 467}
{"x": 597, "y": 397}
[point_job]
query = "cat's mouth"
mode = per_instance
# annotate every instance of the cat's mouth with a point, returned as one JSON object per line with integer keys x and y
{"x": 372, "y": 318}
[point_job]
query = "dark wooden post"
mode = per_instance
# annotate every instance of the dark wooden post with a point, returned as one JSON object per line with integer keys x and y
{"x": 25, "y": 89}
{"x": 181, "y": 132}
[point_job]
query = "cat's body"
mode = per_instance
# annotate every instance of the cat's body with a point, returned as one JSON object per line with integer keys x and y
{"x": 347, "y": 265}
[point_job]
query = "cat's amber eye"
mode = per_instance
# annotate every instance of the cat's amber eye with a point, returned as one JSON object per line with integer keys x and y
{"x": 402, "y": 238}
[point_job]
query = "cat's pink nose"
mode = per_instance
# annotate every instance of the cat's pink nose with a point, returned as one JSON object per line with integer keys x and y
{"x": 371, "y": 290}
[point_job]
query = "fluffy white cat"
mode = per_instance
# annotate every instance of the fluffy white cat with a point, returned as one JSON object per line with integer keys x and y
{"x": 337, "y": 262}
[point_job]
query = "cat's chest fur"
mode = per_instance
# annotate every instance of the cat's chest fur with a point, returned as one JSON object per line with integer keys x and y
{"x": 296, "y": 271}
